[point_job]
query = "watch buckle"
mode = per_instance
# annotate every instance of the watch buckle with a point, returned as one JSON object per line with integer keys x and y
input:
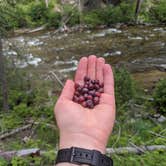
{"x": 72, "y": 149}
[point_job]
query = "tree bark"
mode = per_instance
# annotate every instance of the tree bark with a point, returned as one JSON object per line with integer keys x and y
{"x": 87, "y": 5}
{"x": 138, "y": 7}
{"x": 46, "y": 2}
{"x": 3, "y": 80}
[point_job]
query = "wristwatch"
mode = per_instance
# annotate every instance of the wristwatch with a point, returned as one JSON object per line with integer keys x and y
{"x": 81, "y": 156}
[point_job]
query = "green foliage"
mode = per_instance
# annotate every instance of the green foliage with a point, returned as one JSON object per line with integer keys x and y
{"x": 7, "y": 20}
{"x": 3, "y": 162}
{"x": 54, "y": 19}
{"x": 124, "y": 87}
{"x": 38, "y": 12}
{"x": 71, "y": 13}
{"x": 159, "y": 96}
{"x": 158, "y": 12}
{"x": 109, "y": 15}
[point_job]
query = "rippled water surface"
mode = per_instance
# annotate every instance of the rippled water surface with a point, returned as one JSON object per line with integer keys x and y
{"x": 140, "y": 49}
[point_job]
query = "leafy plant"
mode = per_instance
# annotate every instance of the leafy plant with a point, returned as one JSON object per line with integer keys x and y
{"x": 158, "y": 12}
{"x": 159, "y": 96}
{"x": 124, "y": 86}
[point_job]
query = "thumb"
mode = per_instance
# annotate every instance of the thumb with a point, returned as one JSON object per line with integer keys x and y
{"x": 68, "y": 90}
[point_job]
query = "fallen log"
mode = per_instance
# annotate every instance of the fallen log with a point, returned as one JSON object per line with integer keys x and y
{"x": 20, "y": 129}
{"x": 135, "y": 150}
{"x": 15, "y": 131}
{"x": 110, "y": 151}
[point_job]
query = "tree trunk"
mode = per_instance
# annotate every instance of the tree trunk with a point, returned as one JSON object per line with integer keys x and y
{"x": 138, "y": 7}
{"x": 3, "y": 80}
{"x": 46, "y": 2}
{"x": 87, "y": 5}
{"x": 115, "y": 2}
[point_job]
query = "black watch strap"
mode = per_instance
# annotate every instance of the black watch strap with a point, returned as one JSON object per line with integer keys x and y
{"x": 83, "y": 156}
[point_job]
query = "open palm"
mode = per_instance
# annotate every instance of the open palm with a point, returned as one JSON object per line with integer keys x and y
{"x": 81, "y": 126}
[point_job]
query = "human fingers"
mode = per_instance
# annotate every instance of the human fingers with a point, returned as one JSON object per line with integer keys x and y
{"x": 99, "y": 69}
{"x": 81, "y": 70}
{"x": 92, "y": 67}
{"x": 68, "y": 90}
{"x": 108, "y": 80}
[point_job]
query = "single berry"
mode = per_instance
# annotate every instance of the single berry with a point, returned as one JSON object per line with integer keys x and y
{"x": 89, "y": 103}
{"x": 92, "y": 92}
{"x": 84, "y": 90}
{"x": 96, "y": 100}
{"x": 97, "y": 94}
{"x": 90, "y": 86}
{"x": 76, "y": 85}
{"x": 86, "y": 78}
{"x": 81, "y": 99}
{"x": 89, "y": 97}
{"x": 101, "y": 90}
{"x": 76, "y": 99}
{"x": 85, "y": 95}
{"x": 84, "y": 104}
{"x": 102, "y": 85}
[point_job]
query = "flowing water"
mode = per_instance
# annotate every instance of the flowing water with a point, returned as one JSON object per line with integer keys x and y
{"x": 141, "y": 49}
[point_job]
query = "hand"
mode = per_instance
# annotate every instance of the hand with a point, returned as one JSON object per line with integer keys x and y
{"x": 83, "y": 127}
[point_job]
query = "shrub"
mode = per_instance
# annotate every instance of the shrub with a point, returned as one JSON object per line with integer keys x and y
{"x": 54, "y": 19}
{"x": 38, "y": 12}
{"x": 93, "y": 18}
{"x": 111, "y": 14}
{"x": 159, "y": 96}
{"x": 71, "y": 13}
{"x": 158, "y": 12}
{"x": 124, "y": 87}
{"x": 21, "y": 16}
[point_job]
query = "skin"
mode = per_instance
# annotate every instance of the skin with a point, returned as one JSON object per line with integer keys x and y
{"x": 82, "y": 127}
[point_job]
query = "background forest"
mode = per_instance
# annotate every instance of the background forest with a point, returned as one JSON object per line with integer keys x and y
{"x": 41, "y": 42}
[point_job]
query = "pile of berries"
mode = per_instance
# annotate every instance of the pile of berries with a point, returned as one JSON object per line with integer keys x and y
{"x": 89, "y": 94}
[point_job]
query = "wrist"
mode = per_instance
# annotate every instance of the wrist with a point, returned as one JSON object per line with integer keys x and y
{"x": 81, "y": 141}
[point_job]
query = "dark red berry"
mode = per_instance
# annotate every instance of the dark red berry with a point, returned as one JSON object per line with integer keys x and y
{"x": 97, "y": 94}
{"x": 76, "y": 85}
{"x": 97, "y": 82}
{"x": 89, "y": 97}
{"x": 101, "y": 90}
{"x": 85, "y": 95}
{"x": 84, "y": 90}
{"x": 76, "y": 99}
{"x": 92, "y": 92}
{"x": 76, "y": 93}
{"x": 84, "y": 104}
{"x": 90, "y": 86}
{"x": 89, "y": 103}
{"x": 93, "y": 81}
{"x": 96, "y": 86}
{"x": 86, "y": 78}
{"x": 96, "y": 100}
{"x": 81, "y": 99}
{"x": 102, "y": 85}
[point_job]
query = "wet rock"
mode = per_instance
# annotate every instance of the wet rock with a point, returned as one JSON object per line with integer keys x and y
{"x": 112, "y": 30}
{"x": 115, "y": 53}
{"x": 161, "y": 119}
{"x": 102, "y": 34}
{"x": 135, "y": 38}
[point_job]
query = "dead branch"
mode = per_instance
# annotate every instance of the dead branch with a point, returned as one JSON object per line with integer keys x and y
{"x": 56, "y": 77}
{"x": 15, "y": 131}
{"x": 20, "y": 129}
{"x": 133, "y": 150}
{"x": 110, "y": 151}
